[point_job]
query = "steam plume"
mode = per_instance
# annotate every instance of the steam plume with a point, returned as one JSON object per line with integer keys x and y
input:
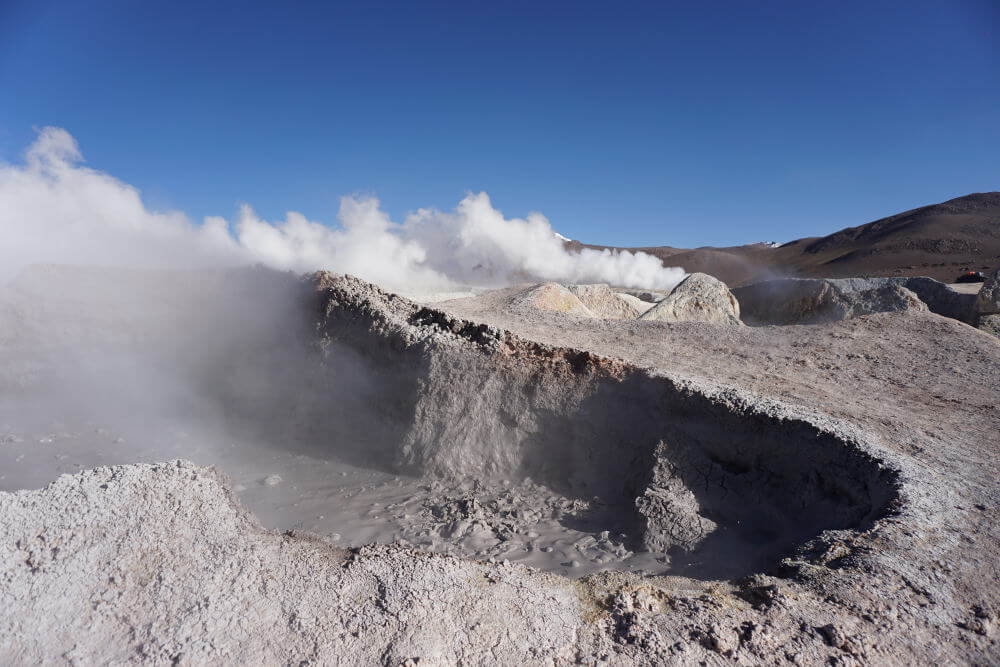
{"x": 53, "y": 209}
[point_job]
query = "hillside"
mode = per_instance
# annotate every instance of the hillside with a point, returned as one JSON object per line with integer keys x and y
{"x": 940, "y": 241}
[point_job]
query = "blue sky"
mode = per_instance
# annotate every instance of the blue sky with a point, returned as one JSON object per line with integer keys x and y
{"x": 702, "y": 123}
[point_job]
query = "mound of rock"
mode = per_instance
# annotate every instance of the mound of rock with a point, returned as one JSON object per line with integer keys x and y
{"x": 550, "y": 296}
{"x": 602, "y": 302}
{"x": 649, "y": 296}
{"x": 635, "y": 302}
{"x": 698, "y": 298}
{"x": 813, "y": 301}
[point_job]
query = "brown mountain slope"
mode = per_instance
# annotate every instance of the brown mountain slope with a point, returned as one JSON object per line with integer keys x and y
{"x": 940, "y": 241}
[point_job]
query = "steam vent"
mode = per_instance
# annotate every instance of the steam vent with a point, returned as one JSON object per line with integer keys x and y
{"x": 260, "y": 467}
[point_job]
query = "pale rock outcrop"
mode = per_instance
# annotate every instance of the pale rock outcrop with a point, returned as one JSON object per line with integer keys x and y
{"x": 698, "y": 298}
{"x": 635, "y": 302}
{"x": 602, "y": 302}
{"x": 649, "y": 296}
{"x": 550, "y": 296}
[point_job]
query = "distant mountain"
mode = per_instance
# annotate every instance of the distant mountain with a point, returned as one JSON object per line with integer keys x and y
{"x": 940, "y": 241}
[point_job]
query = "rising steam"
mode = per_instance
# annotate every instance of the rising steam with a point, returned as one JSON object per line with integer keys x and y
{"x": 54, "y": 210}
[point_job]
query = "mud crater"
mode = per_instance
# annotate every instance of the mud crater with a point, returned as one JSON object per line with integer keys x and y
{"x": 361, "y": 416}
{"x": 714, "y": 484}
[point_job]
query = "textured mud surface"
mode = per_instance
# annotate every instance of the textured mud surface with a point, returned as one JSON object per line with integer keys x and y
{"x": 805, "y": 493}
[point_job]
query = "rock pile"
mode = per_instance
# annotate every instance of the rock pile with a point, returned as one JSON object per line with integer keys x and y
{"x": 698, "y": 298}
{"x": 603, "y": 302}
{"x": 635, "y": 303}
{"x": 550, "y": 296}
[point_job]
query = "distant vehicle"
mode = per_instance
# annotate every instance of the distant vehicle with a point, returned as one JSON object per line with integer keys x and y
{"x": 971, "y": 277}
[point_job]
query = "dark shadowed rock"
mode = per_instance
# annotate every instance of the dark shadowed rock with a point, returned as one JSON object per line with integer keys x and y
{"x": 988, "y": 299}
{"x": 669, "y": 507}
{"x": 990, "y": 324}
{"x": 698, "y": 298}
{"x": 940, "y": 298}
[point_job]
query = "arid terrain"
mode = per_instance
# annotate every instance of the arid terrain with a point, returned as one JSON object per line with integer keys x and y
{"x": 505, "y": 478}
{"x": 940, "y": 241}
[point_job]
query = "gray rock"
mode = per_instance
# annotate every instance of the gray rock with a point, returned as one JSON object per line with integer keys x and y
{"x": 940, "y": 298}
{"x": 635, "y": 302}
{"x": 698, "y": 298}
{"x": 988, "y": 299}
{"x": 670, "y": 509}
{"x": 990, "y": 324}
{"x": 812, "y": 301}
{"x": 649, "y": 296}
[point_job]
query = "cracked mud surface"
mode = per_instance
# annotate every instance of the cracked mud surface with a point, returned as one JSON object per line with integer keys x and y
{"x": 819, "y": 494}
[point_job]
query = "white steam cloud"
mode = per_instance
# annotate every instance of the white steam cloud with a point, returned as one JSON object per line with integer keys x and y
{"x": 54, "y": 210}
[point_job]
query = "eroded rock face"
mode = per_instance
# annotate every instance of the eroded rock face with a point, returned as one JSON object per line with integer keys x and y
{"x": 602, "y": 302}
{"x": 814, "y": 301}
{"x": 669, "y": 508}
{"x": 698, "y": 298}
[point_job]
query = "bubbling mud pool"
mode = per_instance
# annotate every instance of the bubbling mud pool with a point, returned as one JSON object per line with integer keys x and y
{"x": 515, "y": 520}
{"x": 345, "y": 411}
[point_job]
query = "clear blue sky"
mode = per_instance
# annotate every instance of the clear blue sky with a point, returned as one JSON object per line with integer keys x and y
{"x": 631, "y": 124}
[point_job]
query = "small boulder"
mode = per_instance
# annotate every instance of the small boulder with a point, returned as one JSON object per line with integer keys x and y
{"x": 698, "y": 298}
{"x": 602, "y": 302}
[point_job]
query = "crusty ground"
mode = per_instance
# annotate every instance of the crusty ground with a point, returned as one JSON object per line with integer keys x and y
{"x": 914, "y": 379}
{"x": 165, "y": 564}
